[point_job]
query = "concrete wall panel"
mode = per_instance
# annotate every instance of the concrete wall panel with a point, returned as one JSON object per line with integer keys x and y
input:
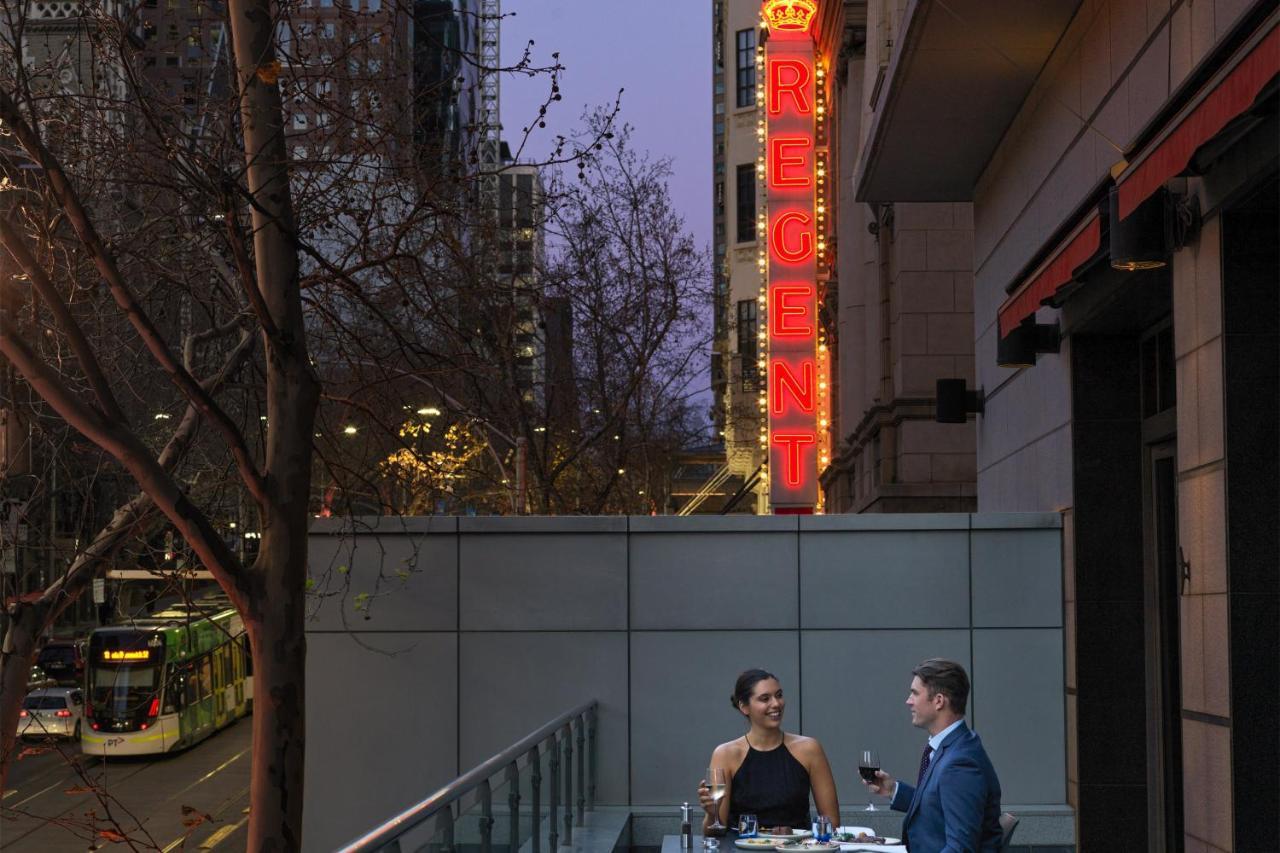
{"x": 910, "y": 579}
{"x": 1017, "y": 579}
{"x": 1018, "y": 709}
{"x": 411, "y": 581}
{"x": 683, "y": 581}
{"x": 681, "y": 683}
{"x": 552, "y": 581}
{"x": 512, "y": 682}
{"x": 389, "y": 699}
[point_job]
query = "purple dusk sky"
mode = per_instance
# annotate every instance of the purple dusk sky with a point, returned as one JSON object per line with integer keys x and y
{"x": 659, "y": 51}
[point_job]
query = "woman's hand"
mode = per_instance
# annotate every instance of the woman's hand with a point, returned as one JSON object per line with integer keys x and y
{"x": 704, "y": 798}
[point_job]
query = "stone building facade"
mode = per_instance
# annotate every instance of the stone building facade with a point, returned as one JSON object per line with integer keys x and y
{"x": 1120, "y": 158}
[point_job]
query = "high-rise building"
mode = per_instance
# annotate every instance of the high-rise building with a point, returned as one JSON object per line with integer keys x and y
{"x": 447, "y": 100}
{"x": 736, "y": 275}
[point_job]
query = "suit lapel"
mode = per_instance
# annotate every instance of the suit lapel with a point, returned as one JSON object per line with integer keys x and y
{"x": 934, "y": 761}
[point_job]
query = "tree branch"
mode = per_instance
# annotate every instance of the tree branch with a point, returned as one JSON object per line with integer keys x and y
{"x": 130, "y": 452}
{"x": 82, "y": 223}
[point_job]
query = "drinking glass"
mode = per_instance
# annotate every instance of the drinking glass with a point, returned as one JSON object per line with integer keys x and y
{"x": 747, "y": 826}
{"x": 717, "y": 781}
{"x": 868, "y": 766}
{"x": 824, "y": 828}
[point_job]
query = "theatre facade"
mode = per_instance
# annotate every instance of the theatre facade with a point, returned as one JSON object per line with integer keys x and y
{"x": 1117, "y": 165}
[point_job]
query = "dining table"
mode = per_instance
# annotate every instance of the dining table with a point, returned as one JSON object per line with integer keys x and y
{"x": 671, "y": 844}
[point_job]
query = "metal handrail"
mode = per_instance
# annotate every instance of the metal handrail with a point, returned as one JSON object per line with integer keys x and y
{"x": 387, "y": 832}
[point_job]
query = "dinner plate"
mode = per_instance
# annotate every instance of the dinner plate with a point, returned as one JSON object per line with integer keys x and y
{"x": 755, "y": 843}
{"x": 808, "y": 844}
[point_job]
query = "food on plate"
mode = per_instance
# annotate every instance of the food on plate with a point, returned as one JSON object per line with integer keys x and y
{"x": 808, "y": 844}
{"x": 756, "y": 843}
{"x": 860, "y": 837}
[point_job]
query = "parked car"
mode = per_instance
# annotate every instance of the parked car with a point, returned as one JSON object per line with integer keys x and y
{"x": 63, "y": 660}
{"x": 52, "y": 712}
{"x": 38, "y": 678}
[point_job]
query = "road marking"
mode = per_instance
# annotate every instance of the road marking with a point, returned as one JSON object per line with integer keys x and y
{"x": 216, "y": 770}
{"x": 221, "y": 835}
{"x": 9, "y": 793}
{"x": 178, "y": 842}
{"x": 38, "y": 793}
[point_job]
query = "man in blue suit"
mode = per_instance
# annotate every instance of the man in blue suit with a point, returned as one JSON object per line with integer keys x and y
{"x": 954, "y": 807}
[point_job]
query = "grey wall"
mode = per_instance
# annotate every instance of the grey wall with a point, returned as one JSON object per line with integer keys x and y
{"x": 477, "y": 630}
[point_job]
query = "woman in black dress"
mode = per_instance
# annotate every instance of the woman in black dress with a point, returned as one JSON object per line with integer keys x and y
{"x": 771, "y": 773}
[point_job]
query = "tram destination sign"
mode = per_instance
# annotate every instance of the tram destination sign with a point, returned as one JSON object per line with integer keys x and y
{"x": 125, "y": 655}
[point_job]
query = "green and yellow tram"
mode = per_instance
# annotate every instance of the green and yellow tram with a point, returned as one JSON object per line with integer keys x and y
{"x": 166, "y": 681}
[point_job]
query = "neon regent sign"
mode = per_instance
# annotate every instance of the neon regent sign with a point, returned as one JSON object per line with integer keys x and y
{"x": 794, "y": 377}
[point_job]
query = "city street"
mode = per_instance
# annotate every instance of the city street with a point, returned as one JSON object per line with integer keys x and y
{"x": 45, "y": 806}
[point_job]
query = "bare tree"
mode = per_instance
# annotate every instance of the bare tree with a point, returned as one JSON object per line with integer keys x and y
{"x": 236, "y": 255}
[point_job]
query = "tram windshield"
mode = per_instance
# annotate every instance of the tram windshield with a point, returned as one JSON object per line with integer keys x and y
{"x": 121, "y": 691}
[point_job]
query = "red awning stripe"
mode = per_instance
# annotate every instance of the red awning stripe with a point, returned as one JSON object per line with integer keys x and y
{"x": 1234, "y": 94}
{"x": 1073, "y": 253}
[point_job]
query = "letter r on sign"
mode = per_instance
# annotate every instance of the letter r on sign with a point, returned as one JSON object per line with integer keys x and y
{"x": 791, "y": 77}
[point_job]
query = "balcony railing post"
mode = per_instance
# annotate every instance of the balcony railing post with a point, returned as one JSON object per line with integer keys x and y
{"x": 513, "y": 806}
{"x": 552, "y": 817}
{"x": 591, "y": 759}
{"x": 486, "y": 817}
{"x": 582, "y": 773}
{"x": 535, "y": 799}
{"x": 567, "y": 737}
{"x": 443, "y": 810}
{"x": 446, "y": 829}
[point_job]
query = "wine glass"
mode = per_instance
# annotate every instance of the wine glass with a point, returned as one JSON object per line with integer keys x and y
{"x": 717, "y": 781}
{"x": 868, "y": 766}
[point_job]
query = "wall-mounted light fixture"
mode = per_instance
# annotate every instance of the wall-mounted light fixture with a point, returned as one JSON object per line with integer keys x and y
{"x": 1160, "y": 226}
{"x": 955, "y": 402}
{"x": 1142, "y": 240}
{"x": 1020, "y": 347}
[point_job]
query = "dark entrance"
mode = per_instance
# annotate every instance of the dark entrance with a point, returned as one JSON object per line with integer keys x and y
{"x": 1162, "y": 589}
{"x": 1251, "y": 381}
{"x": 1125, "y": 507}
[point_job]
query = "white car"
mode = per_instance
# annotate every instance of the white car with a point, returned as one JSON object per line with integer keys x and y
{"x": 52, "y": 712}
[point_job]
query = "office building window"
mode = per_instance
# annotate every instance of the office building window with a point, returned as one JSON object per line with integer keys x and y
{"x": 746, "y": 68}
{"x": 748, "y": 346}
{"x": 746, "y": 203}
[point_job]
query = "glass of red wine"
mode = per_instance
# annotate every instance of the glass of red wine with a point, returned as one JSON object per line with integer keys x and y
{"x": 868, "y": 767}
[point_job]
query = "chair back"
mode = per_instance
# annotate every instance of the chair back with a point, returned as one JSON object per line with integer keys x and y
{"x": 1008, "y": 823}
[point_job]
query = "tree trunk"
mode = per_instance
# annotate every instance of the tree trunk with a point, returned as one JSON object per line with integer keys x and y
{"x": 279, "y": 692}
{"x": 16, "y": 660}
{"x": 277, "y": 607}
